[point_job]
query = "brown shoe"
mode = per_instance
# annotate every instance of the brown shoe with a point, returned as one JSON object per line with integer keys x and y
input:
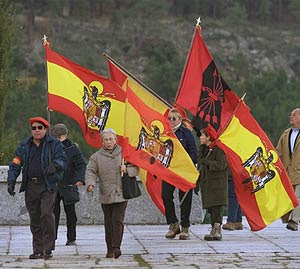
{"x": 229, "y": 226}
{"x": 184, "y": 235}
{"x": 292, "y": 225}
{"x": 215, "y": 234}
{"x": 173, "y": 230}
{"x": 239, "y": 226}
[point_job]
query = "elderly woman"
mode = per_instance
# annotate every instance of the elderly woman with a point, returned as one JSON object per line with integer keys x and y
{"x": 106, "y": 165}
{"x": 186, "y": 138}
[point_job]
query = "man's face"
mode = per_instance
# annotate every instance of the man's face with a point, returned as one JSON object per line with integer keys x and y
{"x": 295, "y": 118}
{"x": 108, "y": 140}
{"x": 38, "y": 131}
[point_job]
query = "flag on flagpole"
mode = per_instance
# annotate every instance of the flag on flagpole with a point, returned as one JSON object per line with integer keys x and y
{"x": 261, "y": 182}
{"x": 150, "y": 143}
{"x": 93, "y": 101}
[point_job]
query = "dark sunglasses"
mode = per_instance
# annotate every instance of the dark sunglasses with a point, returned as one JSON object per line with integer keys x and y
{"x": 172, "y": 118}
{"x": 40, "y": 127}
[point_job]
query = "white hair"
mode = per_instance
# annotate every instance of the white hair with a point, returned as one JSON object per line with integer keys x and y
{"x": 110, "y": 131}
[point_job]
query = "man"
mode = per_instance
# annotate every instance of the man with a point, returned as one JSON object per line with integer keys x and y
{"x": 106, "y": 165}
{"x": 68, "y": 187}
{"x": 42, "y": 160}
{"x": 288, "y": 149}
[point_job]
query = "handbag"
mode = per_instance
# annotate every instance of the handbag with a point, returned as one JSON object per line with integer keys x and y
{"x": 70, "y": 194}
{"x": 130, "y": 187}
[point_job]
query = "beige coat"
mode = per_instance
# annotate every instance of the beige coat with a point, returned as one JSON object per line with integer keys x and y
{"x": 291, "y": 164}
{"x": 105, "y": 167}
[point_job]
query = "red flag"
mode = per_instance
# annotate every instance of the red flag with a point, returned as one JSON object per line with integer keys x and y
{"x": 95, "y": 102}
{"x": 262, "y": 185}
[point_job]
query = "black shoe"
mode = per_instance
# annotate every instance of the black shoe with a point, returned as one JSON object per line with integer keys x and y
{"x": 71, "y": 243}
{"x": 117, "y": 253}
{"x": 35, "y": 256}
{"x": 47, "y": 255}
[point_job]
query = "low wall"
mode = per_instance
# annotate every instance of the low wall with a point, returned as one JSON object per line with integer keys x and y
{"x": 139, "y": 211}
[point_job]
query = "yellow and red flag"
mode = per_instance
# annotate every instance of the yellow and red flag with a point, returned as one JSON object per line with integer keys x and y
{"x": 123, "y": 78}
{"x": 150, "y": 143}
{"x": 95, "y": 102}
{"x": 261, "y": 182}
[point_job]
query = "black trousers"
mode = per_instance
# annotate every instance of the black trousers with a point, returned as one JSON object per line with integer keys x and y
{"x": 216, "y": 215}
{"x": 40, "y": 203}
{"x": 70, "y": 216}
{"x": 114, "y": 224}
{"x": 185, "y": 208}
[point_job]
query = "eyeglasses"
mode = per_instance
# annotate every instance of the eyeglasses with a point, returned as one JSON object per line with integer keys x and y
{"x": 40, "y": 127}
{"x": 172, "y": 118}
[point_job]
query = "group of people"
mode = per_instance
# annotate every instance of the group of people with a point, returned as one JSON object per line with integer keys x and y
{"x": 53, "y": 168}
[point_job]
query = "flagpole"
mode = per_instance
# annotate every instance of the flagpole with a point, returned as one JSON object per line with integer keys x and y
{"x": 187, "y": 58}
{"x": 46, "y": 43}
{"x": 137, "y": 80}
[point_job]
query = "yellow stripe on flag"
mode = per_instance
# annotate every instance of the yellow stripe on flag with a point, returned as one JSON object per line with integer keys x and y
{"x": 63, "y": 83}
{"x": 273, "y": 199}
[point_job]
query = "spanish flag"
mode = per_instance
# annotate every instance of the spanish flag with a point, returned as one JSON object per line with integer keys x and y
{"x": 150, "y": 143}
{"x": 261, "y": 182}
{"x": 121, "y": 76}
{"x": 95, "y": 102}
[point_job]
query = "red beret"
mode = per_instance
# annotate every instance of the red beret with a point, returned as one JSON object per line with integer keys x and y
{"x": 211, "y": 132}
{"x": 39, "y": 119}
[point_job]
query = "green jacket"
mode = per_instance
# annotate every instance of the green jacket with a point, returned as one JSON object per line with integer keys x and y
{"x": 213, "y": 177}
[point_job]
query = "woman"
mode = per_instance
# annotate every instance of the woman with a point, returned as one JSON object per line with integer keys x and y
{"x": 185, "y": 136}
{"x": 106, "y": 165}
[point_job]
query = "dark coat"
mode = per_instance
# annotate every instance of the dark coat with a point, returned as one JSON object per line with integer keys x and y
{"x": 58, "y": 157}
{"x": 213, "y": 177}
{"x": 74, "y": 172}
{"x": 186, "y": 138}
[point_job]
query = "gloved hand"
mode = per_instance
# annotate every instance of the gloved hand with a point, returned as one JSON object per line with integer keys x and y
{"x": 11, "y": 188}
{"x": 51, "y": 169}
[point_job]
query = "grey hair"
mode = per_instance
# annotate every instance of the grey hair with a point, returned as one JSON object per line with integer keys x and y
{"x": 297, "y": 110}
{"x": 110, "y": 131}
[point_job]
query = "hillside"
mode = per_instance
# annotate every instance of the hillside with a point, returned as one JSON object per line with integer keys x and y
{"x": 154, "y": 48}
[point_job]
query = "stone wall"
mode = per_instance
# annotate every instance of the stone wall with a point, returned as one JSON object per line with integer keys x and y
{"x": 139, "y": 211}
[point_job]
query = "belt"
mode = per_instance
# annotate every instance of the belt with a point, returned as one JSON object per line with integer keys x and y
{"x": 35, "y": 179}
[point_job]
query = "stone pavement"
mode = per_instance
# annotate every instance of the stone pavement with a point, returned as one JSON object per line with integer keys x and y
{"x": 145, "y": 246}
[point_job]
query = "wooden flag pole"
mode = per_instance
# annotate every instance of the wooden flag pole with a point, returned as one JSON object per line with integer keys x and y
{"x": 137, "y": 80}
{"x": 46, "y": 43}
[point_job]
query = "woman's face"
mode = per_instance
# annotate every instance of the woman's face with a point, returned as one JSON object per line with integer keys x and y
{"x": 108, "y": 141}
{"x": 174, "y": 119}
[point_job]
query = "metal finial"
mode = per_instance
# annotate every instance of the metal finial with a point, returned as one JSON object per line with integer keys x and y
{"x": 198, "y": 21}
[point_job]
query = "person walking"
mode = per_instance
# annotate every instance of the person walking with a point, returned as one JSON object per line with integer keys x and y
{"x": 185, "y": 136}
{"x": 68, "y": 187}
{"x": 213, "y": 181}
{"x": 42, "y": 160}
{"x": 288, "y": 149}
{"x": 106, "y": 166}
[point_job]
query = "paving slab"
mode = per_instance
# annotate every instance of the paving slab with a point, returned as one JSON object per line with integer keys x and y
{"x": 145, "y": 246}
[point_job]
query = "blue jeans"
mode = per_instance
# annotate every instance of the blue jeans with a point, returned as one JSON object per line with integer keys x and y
{"x": 234, "y": 209}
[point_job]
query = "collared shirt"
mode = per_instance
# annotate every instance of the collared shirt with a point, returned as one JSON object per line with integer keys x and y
{"x": 35, "y": 161}
{"x": 293, "y": 137}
